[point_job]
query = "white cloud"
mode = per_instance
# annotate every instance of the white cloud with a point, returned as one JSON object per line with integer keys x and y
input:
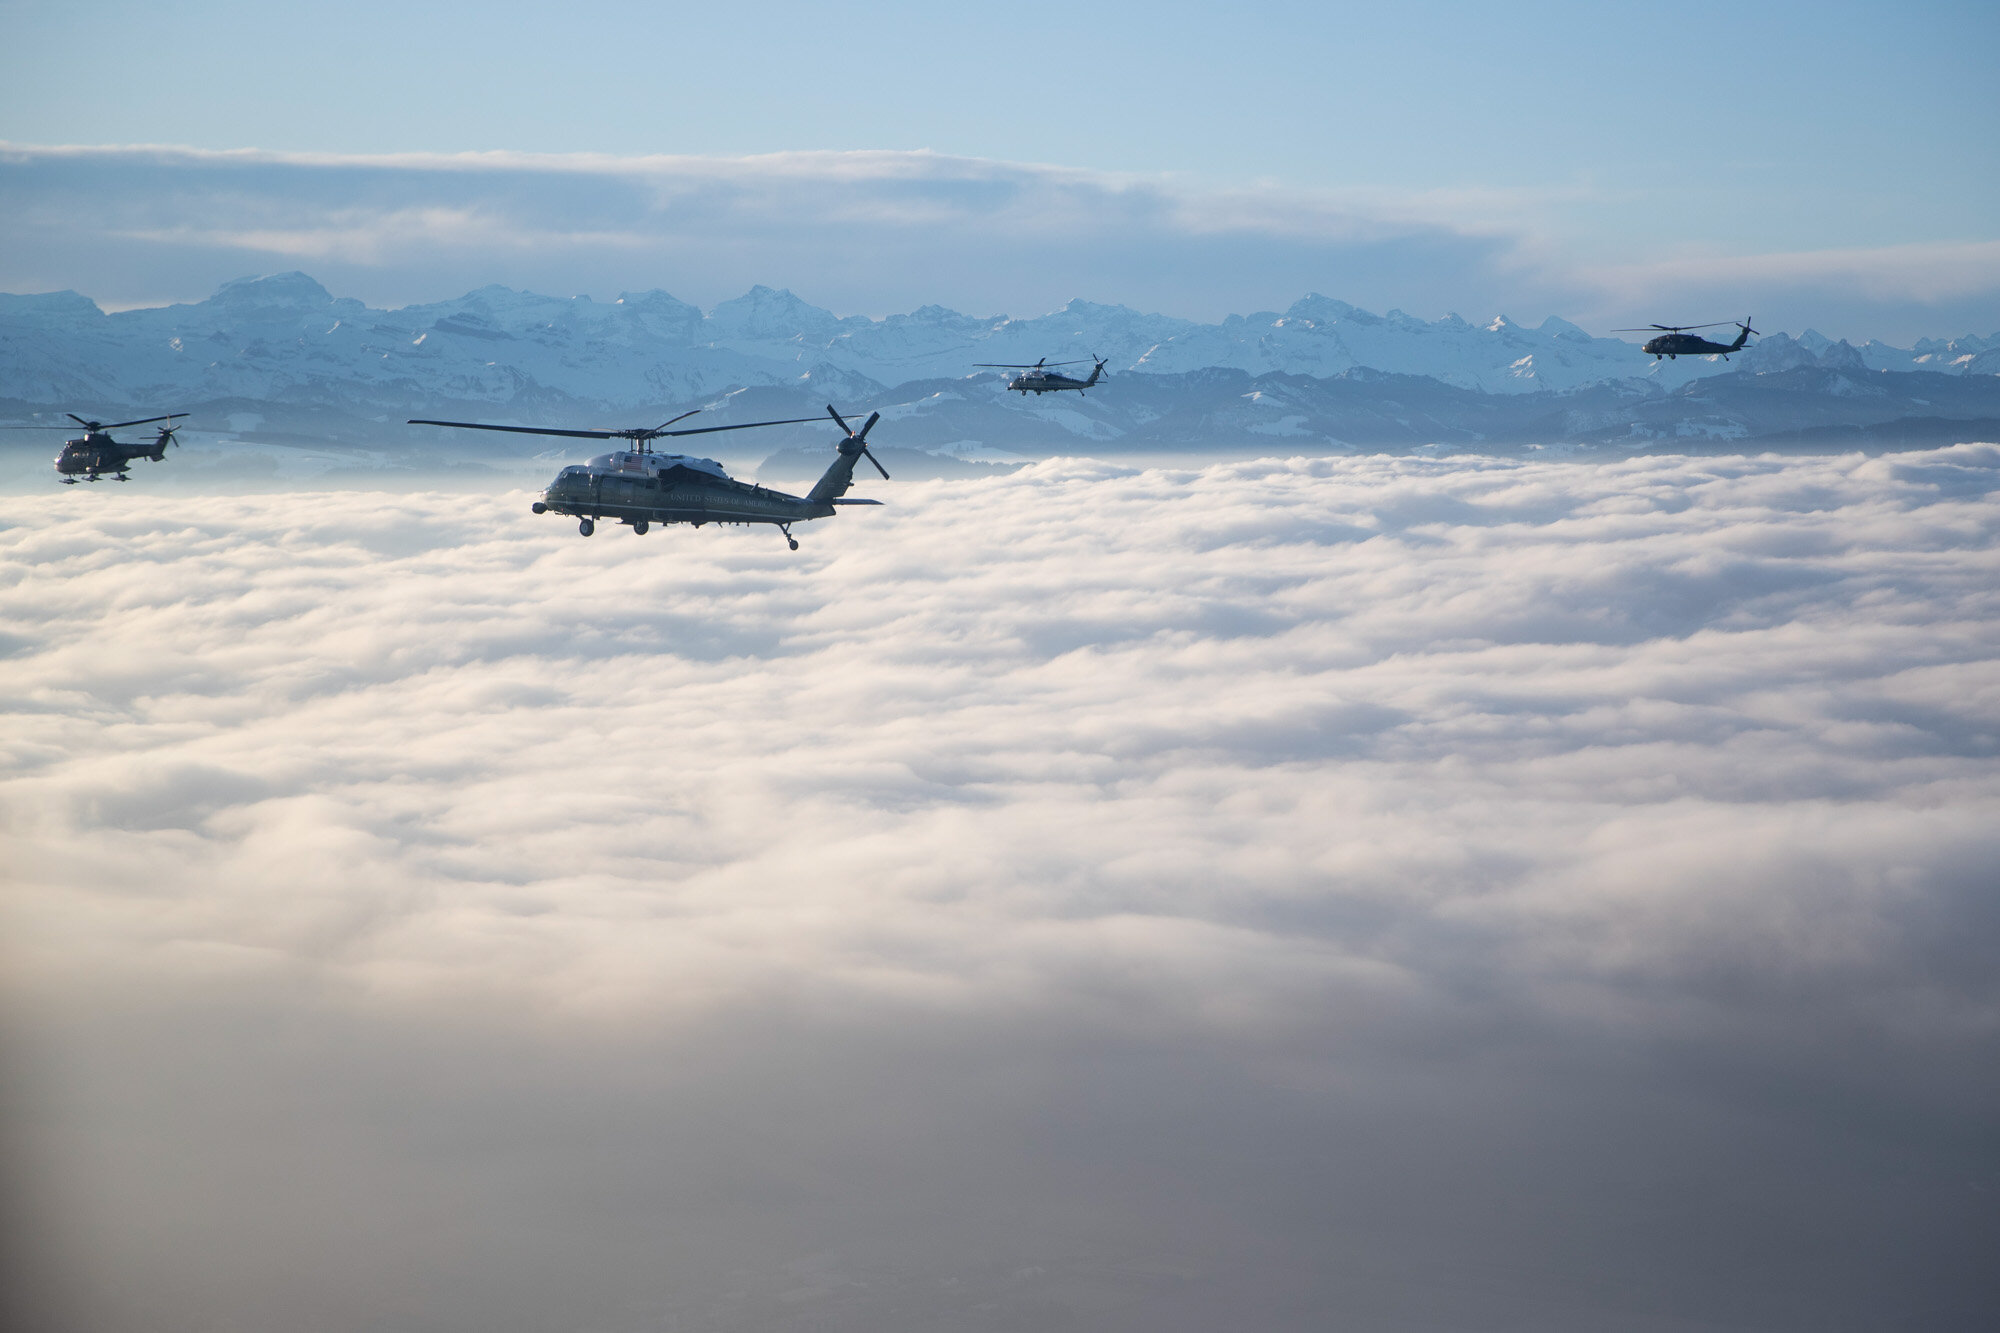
{"x": 877, "y": 232}
{"x": 375, "y": 238}
{"x": 865, "y": 230}
{"x": 1005, "y": 865}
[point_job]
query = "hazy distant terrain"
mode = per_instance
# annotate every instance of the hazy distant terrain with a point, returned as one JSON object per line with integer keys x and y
{"x": 279, "y": 360}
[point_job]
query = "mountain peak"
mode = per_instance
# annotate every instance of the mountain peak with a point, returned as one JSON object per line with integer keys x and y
{"x": 291, "y": 290}
{"x": 655, "y": 301}
{"x": 1076, "y": 305}
{"x": 58, "y": 305}
{"x": 767, "y": 313}
{"x": 1324, "y": 309}
{"x": 761, "y": 295}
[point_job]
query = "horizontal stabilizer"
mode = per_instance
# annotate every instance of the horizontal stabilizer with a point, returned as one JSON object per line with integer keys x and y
{"x": 856, "y": 502}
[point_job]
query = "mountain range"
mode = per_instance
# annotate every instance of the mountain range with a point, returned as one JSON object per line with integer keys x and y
{"x": 282, "y": 355}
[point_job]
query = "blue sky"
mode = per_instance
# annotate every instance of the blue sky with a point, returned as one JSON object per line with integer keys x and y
{"x": 1608, "y": 137}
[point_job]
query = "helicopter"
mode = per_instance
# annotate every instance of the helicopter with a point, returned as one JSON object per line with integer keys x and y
{"x": 1675, "y": 340}
{"x": 639, "y": 488}
{"x": 1043, "y": 378}
{"x": 96, "y": 453}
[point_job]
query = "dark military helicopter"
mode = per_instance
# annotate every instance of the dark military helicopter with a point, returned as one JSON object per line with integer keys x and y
{"x": 1044, "y": 378}
{"x": 639, "y": 488}
{"x": 96, "y": 453}
{"x": 1675, "y": 340}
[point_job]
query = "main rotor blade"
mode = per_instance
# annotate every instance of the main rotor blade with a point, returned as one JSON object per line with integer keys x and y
{"x": 746, "y": 425}
{"x": 142, "y": 421}
{"x": 87, "y": 425}
{"x": 522, "y": 430}
{"x": 839, "y": 420}
{"x": 671, "y": 420}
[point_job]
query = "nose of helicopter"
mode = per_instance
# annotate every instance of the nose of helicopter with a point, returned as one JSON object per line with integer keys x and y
{"x": 569, "y": 485}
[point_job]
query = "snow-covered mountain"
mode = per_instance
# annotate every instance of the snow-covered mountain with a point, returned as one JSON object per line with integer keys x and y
{"x": 286, "y": 337}
{"x": 1322, "y": 368}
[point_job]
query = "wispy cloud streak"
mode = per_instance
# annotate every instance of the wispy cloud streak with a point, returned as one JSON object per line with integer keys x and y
{"x": 876, "y": 231}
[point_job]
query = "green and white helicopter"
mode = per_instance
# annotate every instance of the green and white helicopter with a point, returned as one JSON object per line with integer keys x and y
{"x": 638, "y": 487}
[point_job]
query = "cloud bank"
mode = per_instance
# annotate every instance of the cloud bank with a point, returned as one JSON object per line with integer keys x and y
{"x": 875, "y": 232}
{"x": 1370, "y": 892}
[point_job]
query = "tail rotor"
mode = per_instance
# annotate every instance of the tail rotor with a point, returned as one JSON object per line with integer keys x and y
{"x": 856, "y": 443}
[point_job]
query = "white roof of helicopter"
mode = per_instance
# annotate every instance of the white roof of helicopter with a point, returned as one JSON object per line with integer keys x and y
{"x": 634, "y": 462}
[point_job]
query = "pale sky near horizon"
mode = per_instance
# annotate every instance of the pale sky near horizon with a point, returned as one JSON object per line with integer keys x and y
{"x": 1774, "y": 126}
{"x": 1832, "y": 164}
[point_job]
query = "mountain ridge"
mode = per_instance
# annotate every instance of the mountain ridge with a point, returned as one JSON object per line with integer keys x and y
{"x": 1341, "y": 375}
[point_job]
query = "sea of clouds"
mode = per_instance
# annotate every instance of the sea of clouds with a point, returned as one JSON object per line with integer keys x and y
{"x": 1376, "y": 893}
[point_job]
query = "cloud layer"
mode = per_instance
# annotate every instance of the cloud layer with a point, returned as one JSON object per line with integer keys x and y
{"x": 874, "y": 232}
{"x": 1369, "y": 891}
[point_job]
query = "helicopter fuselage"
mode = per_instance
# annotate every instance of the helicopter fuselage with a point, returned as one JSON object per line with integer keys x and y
{"x": 1052, "y": 381}
{"x": 1685, "y": 344}
{"x": 1046, "y": 383}
{"x": 97, "y": 453}
{"x": 1673, "y": 344}
{"x": 640, "y": 489}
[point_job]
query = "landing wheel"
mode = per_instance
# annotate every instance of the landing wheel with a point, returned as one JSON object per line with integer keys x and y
{"x": 640, "y": 527}
{"x": 586, "y": 527}
{"x": 792, "y": 542}
{"x": 538, "y": 507}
